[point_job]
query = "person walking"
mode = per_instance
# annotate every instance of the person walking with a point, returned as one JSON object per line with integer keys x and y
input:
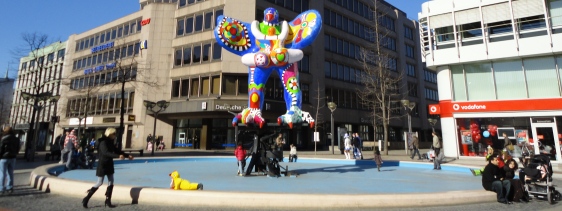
{"x": 279, "y": 142}
{"x": 9, "y": 148}
{"x": 378, "y": 158}
{"x": 62, "y": 148}
{"x": 240, "y": 154}
{"x": 107, "y": 151}
{"x": 415, "y": 147}
{"x": 70, "y": 146}
{"x": 347, "y": 145}
{"x": 359, "y": 145}
{"x": 437, "y": 148}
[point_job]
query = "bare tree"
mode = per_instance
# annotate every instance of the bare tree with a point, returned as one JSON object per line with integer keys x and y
{"x": 320, "y": 102}
{"x": 39, "y": 51}
{"x": 380, "y": 92}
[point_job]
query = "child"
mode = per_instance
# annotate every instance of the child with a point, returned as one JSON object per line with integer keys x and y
{"x": 240, "y": 154}
{"x": 378, "y": 158}
{"x": 478, "y": 172}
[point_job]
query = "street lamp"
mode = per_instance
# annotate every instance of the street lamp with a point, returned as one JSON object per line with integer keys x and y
{"x": 408, "y": 106}
{"x": 332, "y": 106}
{"x": 155, "y": 107}
{"x": 432, "y": 122}
{"x": 38, "y": 103}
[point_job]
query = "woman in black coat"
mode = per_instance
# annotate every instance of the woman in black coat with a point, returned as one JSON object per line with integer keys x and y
{"x": 106, "y": 153}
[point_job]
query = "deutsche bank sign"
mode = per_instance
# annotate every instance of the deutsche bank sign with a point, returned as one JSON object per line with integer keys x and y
{"x": 102, "y": 47}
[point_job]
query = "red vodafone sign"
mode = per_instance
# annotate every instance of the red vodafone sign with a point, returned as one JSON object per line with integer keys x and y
{"x": 145, "y": 21}
{"x": 447, "y": 107}
{"x": 434, "y": 109}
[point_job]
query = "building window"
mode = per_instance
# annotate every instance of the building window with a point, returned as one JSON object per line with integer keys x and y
{"x": 217, "y": 51}
{"x": 431, "y": 94}
{"x": 303, "y": 64}
{"x": 194, "y": 87}
{"x": 199, "y": 23}
{"x": 189, "y": 25}
{"x": 180, "y": 26}
{"x": 409, "y": 51}
{"x": 196, "y": 56}
{"x": 305, "y": 93}
{"x": 411, "y": 70}
{"x": 408, "y": 33}
{"x": 205, "y": 85}
{"x": 412, "y": 89}
{"x": 206, "y": 52}
{"x": 216, "y": 84}
{"x": 430, "y": 76}
{"x": 184, "y": 87}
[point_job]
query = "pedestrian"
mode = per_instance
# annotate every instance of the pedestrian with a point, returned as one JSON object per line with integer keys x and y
{"x": 55, "y": 149}
{"x": 347, "y": 145}
{"x": 359, "y": 145}
{"x": 493, "y": 180}
{"x": 148, "y": 138}
{"x": 106, "y": 152}
{"x": 280, "y": 141}
{"x": 378, "y": 158}
{"x": 437, "y": 148}
{"x": 240, "y": 154}
{"x": 63, "y": 150}
{"x": 293, "y": 154}
{"x": 9, "y": 148}
{"x": 415, "y": 147}
{"x": 70, "y": 146}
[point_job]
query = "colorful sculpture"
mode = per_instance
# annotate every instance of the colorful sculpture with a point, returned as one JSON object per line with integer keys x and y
{"x": 266, "y": 47}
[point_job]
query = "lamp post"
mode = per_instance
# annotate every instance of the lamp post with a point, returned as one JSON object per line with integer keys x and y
{"x": 408, "y": 106}
{"x": 155, "y": 107}
{"x": 332, "y": 106}
{"x": 38, "y": 103}
{"x": 432, "y": 122}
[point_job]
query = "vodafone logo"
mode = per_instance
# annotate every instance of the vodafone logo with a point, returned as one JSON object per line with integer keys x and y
{"x": 456, "y": 107}
{"x": 433, "y": 109}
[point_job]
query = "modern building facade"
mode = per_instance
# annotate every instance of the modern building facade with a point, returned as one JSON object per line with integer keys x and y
{"x": 6, "y": 97}
{"x": 171, "y": 53}
{"x": 498, "y": 66}
{"x": 39, "y": 80}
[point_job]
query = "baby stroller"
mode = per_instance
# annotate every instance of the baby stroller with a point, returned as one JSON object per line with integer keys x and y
{"x": 538, "y": 179}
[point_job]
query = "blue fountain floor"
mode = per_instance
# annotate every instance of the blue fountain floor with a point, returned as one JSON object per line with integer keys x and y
{"x": 315, "y": 176}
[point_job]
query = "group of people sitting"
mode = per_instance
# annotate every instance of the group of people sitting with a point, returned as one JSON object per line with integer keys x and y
{"x": 499, "y": 176}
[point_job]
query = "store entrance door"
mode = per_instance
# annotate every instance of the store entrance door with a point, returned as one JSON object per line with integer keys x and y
{"x": 545, "y": 137}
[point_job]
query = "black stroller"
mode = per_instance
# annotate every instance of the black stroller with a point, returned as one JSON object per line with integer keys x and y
{"x": 538, "y": 179}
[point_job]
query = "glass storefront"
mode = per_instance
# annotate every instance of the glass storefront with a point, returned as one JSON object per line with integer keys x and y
{"x": 188, "y": 133}
{"x": 532, "y": 135}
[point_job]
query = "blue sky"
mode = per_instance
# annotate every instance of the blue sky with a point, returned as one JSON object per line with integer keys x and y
{"x": 60, "y": 18}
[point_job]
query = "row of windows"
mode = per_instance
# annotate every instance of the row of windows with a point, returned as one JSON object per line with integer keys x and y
{"x": 356, "y": 7}
{"x": 231, "y": 85}
{"x": 342, "y": 72}
{"x": 348, "y": 25}
{"x": 297, "y": 6}
{"x": 50, "y": 58}
{"x": 183, "y": 3}
{"x": 197, "y": 22}
{"x": 511, "y": 79}
{"x": 341, "y": 46}
{"x": 411, "y": 70}
{"x": 32, "y": 79}
{"x": 105, "y": 57}
{"x": 345, "y": 98}
{"x": 119, "y": 31}
{"x": 431, "y": 94}
{"x": 430, "y": 76}
{"x": 196, "y": 54}
{"x": 100, "y": 104}
{"x": 100, "y": 79}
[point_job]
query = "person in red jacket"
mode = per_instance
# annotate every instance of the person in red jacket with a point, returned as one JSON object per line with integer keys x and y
{"x": 240, "y": 154}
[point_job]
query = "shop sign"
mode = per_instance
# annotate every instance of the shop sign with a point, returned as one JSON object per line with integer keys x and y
{"x": 131, "y": 118}
{"x": 543, "y": 120}
{"x": 99, "y": 68}
{"x": 204, "y": 105}
{"x": 145, "y": 21}
{"x": 108, "y": 119}
{"x": 227, "y": 107}
{"x": 102, "y": 47}
{"x": 365, "y": 120}
{"x": 76, "y": 121}
{"x": 447, "y": 108}
{"x": 434, "y": 109}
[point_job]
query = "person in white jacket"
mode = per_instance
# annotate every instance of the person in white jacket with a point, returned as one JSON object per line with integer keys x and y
{"x": 347, "y": 144}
